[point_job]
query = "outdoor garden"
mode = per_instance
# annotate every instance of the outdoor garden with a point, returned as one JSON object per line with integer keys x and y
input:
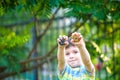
{"x": 29, "y": 30}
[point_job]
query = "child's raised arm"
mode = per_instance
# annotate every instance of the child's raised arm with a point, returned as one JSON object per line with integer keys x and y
{"x": 86, "y": 59}
{"x": 62, "y": 42}
{"x": 79, "y": 42}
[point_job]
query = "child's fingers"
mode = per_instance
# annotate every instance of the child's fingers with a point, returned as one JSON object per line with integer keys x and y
{"x": 74, "y": 34}
{"x": 80, "y": 36}
{"x": 62, "y": 40}
{"x": 60, "y": 36}
{"x": 66, "y": 38}
{"x": 66, "y": 43}
{"x": 58, "y": 40}
{"x": 72, "y": 41}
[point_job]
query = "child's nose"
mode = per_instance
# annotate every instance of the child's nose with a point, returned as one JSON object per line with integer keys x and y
{"x": 71, "y": 55}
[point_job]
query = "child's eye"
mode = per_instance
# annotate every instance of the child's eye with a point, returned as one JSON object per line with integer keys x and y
{"x": 75, "y": 52}
{"x": 67, "y": 53}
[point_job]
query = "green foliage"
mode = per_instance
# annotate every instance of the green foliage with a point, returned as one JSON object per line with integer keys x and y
{"x": 12, "y": 49}
{"x": 98, "y": 9}
{"x": 1, "y": 11}
{"x": 100, "y": 30}
{"x": 40, "y": 8}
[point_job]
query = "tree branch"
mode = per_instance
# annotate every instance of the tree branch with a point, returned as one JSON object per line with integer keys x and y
{"x": 77, "y": 27}
{"x": 27, "y": 22}
{"x": 39, "y": 37}
{"x": 40, "y": 57}
{"x": 7, "y": 74}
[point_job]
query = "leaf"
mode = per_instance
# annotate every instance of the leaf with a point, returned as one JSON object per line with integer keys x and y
{"x": 96, "y": 46}
{"x": 4, "y": 61}
{"x": 99, "y": 14}
{"x": 1, "y": 11}
{"x": 5, "y": 52}
{"x": 54, "y": 3}
{"x": 108, "y": 70}
{"x": 116, "y": 16}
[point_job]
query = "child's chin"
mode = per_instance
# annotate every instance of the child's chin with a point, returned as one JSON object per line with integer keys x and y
{"x": 73, "y": 66}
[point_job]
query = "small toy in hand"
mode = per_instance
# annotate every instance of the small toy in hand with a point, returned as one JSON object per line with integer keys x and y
{"x": 76, "y": 37}
{"x": 62, "y": 42}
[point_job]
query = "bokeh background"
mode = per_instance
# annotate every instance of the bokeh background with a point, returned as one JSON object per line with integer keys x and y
{"x": 29, "y": 30}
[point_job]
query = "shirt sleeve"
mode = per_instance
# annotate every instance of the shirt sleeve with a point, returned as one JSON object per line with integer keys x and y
{"x": 60, "y": 74}
{"x": 91, "y": 75}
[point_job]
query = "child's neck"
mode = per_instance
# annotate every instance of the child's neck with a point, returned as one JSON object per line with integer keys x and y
{"x": 77, "y": 66}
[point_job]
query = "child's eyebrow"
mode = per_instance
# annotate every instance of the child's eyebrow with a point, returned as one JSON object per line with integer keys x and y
{"x": 75, "y": 51}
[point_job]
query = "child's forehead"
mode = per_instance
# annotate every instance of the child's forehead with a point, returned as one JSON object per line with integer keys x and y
{"x": 71, "y": 48}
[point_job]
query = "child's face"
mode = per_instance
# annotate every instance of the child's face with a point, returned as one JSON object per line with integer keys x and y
{"x": 72, "y": 56}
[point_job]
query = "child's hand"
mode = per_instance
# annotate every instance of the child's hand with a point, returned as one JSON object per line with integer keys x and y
{"x": 77, "y": 39}
{"x": 62, "y": 41}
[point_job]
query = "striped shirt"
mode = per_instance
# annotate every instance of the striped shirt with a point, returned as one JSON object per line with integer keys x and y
{"x": 78, "y": 73}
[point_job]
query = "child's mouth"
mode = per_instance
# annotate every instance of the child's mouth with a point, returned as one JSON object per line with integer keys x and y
{"x": 72, "y": 60}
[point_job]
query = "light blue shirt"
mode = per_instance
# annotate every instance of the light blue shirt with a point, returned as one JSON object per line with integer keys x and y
{"x": 78, "y": 73}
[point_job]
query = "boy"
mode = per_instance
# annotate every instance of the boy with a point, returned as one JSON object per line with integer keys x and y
{"x": 74, "y": 61}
